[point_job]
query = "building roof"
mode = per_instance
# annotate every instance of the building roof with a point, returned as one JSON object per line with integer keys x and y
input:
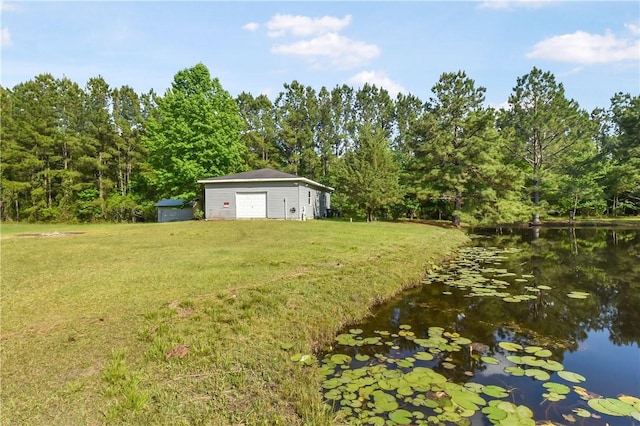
{"x": 263, "y": 175}
{"x": 169, "y": 202}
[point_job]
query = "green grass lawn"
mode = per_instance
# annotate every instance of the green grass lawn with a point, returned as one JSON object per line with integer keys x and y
{"x": 184, "y": 323}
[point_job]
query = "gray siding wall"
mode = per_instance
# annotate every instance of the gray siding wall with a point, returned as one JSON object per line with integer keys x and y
{"x": 315, "y": 202}
{"x": 296, "y": 194}
{"x": 217, "y": 195}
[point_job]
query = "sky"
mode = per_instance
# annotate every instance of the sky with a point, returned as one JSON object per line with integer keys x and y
{"x": 592, "y": 48}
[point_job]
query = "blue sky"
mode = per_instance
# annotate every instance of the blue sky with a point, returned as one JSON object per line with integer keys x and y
{"x": 593, "y": 48}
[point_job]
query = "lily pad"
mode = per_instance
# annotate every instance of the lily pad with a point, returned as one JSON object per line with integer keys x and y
{"x": 401, "y": 417}
{"x": 553, "y": 397}
{"x": 495, "y": 391}
{"x": 515, "y": 359}
{"x": 581, "y": 412}
{"x": 362, "y": 357}
{"x": 572, "y": 377}
{"x": 510, "y": 346}
{"x": 578, "y": 295}
{"x": 490, "y": 360}
{"x": 558, "y": 388}
{"x": 537, "y": 374}
{"x": 340, "y": 359}
{"x": 611, "y": 406}
{"x": 384, "y": 402}
{"x": 533, "y": 349}
{"x": 543, "y": 353}
{"x": 423, "y": 356}
{"x": 514, "y": 371}
{"x": 552, "y": 365}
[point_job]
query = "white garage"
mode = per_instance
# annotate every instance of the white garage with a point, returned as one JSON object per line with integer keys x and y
{"x": 251, "y": 205}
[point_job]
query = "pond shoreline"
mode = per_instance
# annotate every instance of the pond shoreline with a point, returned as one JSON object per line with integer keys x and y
{"x": 628, "y": 224}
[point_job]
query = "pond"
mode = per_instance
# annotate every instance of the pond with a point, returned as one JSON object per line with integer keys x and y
{"x": 524, "y": 327}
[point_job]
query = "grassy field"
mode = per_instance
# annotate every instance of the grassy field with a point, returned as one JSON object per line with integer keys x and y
{"x": 184, "y": 323}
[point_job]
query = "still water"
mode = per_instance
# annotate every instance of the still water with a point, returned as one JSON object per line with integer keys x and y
{"x": 517, "y": 309}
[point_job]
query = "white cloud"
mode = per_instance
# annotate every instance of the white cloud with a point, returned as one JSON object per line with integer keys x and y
{"x": 584, "y": 48}
{"x": 379, "y": 79}
{"x": 302, "y": 26}
{"x": 251, "y": 26}
{"x": 572, "y": 71}
{"x": 635, "y": 29}
{"x": 502, "y": 105}
{"x": 509, "y": 4}
{"x": 9, "y": 7}
{"x": 5, "y": 38}
{"x": 342, "y": 52}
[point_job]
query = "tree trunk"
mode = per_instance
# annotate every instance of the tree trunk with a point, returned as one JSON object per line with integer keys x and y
{"x": 456, "y": 214}
{"x": 536, "y": 200}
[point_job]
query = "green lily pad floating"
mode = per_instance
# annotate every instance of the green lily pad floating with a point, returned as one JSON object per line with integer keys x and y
{"x": 333, "y": 395}
{"x": 404, "y": 363}
{"x": 544, "y": 287}
{"x": 553, "y": 397}
{"x": 302, "y": 359}
{"x": 543, "y": 353}
{"x": 384, "y": 402}
{"x": 510, "y": 346}
{"x": 404, "y": 327}
{"x": 286, "y": 346}
{"x": 631, "y": 400}
{"x": 611, "y": 406}
{"x": 533, "y": 361}
{"x": 581, "y": 412}
{"x": 558, "y": 388}
{"x": 332, "y": 383}
{"x": 423, "y": 356}
{"x": 462, "y": 341}
{"x": 362, "y": 357}
{"x": 533, "y": 349}
{"x": 401, "y": 417}
{"x": 466, "y": 399}
{"x": 490, "y": 360}
{"x": 516, "y": 359}
{"x": 552, "y": 365}
{"x": 474, "y": 387}
{"x": 495, "y": 391}
{"x": 578, "y": 295}
{"x": 506, "y": 413}
{"x": 571, "y": 376}
{"x": 537, "y": 374}
{"x": 346, "y": 339}
{"x": 340, "y": 359}
{"x": 514, "y": 371}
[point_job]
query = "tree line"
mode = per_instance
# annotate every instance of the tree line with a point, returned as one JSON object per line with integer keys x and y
{"x": 101, "y": 153}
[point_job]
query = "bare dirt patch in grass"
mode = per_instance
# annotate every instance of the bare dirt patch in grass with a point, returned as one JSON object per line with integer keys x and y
{"x": 51, "y": 234}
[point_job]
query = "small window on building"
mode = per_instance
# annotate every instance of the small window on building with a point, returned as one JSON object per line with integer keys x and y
{"x": 309, "y": 201}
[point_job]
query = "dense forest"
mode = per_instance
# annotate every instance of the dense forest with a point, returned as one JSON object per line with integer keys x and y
{"x": 101, "y": 153}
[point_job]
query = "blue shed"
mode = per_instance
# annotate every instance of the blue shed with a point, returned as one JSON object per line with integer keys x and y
{"x": 171, "y": 210}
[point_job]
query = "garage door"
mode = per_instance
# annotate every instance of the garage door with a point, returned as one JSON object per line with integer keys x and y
{"x": 251, "y": 205}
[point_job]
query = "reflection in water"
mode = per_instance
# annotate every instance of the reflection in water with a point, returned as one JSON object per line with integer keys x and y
{"x": 597, "y": 336}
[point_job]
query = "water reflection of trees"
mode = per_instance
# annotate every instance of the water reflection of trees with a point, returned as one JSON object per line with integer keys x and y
{"x": 603, "y": 262}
